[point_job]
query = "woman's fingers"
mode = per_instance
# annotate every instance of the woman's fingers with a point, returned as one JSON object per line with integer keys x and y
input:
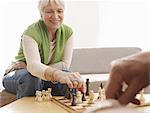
{"x": 70, "y": 84}
{"x": 78, "y": 80}
{"x": 74, "y": 80}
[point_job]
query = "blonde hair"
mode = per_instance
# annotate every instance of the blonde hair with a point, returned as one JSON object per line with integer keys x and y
{"x": 43, "y": 3}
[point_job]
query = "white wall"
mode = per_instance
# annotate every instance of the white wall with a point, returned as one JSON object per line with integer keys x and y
{"x": 83, "y": 16}
{"x": 96, "y": 23}
{"x": 16, "y": 16}
{"x": 124, "y": 23}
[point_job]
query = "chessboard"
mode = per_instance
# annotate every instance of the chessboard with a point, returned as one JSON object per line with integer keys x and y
{"x": 78, "y": 101}
{"x": 80, "y": 108}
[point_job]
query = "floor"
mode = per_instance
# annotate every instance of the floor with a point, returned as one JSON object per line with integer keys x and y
{"x": 5, "y": 97}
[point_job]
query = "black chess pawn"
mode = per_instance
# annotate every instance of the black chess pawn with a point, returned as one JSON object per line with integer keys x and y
{"x": 101, "y": 85}
{"x": 67, "y": 92}
{"x": 87, "y": 86}
{"x": 83, "y": 96}
{"x": 74, "y": 101}
{"x": 73, "y": 92}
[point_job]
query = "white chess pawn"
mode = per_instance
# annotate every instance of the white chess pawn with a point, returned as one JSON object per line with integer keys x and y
{"x": 142, "y": 99}
{"x": 91, "y": 97}
{"x": 103, "y": 96}
{"x": 47, "y": 98}
{"x": 49, "y": 89}
{"x": 49, "y": 92}
{"x": 79, "y": 97}
{"x": 43, "y": 95}
{"x": 38, "y": 96}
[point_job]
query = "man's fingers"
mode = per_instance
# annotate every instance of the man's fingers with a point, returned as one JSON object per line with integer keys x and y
{"x": 130, "y": 93}
{"x": 135, "y": 101}
{"x": 113, "y": 89}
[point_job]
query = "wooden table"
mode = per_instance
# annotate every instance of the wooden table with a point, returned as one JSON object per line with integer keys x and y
{"x": 29, "y": 105}
{"x": 145, "y": 109}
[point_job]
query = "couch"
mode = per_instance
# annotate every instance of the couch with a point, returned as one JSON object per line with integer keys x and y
{"x": 93, "y": 63}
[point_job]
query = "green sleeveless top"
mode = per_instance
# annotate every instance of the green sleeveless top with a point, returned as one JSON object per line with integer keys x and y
{"x": 39, "y": 33}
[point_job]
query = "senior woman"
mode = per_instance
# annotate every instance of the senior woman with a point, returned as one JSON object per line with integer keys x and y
{"x": 45, "y": 52}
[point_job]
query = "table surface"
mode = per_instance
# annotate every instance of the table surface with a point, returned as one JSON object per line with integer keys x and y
{"x": 29, "y": 105}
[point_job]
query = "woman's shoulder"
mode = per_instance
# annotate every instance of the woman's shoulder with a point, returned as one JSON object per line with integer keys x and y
{"x": 33, "y": 25}
{"x": 66, "y": 28}
{"x": 33, "y": 31}
{"x": 33, "y": 28}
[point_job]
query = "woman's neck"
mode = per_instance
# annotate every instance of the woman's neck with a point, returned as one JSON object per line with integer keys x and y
{"x": 52, "y": 34}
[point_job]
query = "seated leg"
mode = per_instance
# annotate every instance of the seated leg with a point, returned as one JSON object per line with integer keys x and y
{"x": 22, "y": 83}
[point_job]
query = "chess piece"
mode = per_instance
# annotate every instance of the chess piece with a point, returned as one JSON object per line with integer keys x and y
{"x": 79, "y": 97}
{"x": 49, "y": 93}
{"x": 87, "y": 86}
{"x": 99, "y": 92}
{"x": 73, "y": 102}
{"x": 67, "y": 92}
{"x": 102, "y": 92}
{"x": 73, "y": 96}
{"x": 91, "y": 97}
{"x": 83, "y": 93}
{"x": 38, "y": 96}
{"x": 83, "y": 96}
{"x": 142, "y": 99}
{"x": 47, "y": 97}
{"x": 43, "y": 95}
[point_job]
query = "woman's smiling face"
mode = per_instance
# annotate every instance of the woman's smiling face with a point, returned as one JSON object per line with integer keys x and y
{"x": 53, "y": 15}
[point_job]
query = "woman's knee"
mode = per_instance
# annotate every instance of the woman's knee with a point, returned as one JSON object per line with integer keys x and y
{"x": 9, "y": 82}
{"x": 18, "y": 78}
{"x": 27, "y": 84}
{"x": 27, "y": 79}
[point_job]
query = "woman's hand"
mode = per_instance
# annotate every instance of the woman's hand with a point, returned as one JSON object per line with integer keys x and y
{"x": 15, "y": 66}
{"x": 72, "y": 79}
